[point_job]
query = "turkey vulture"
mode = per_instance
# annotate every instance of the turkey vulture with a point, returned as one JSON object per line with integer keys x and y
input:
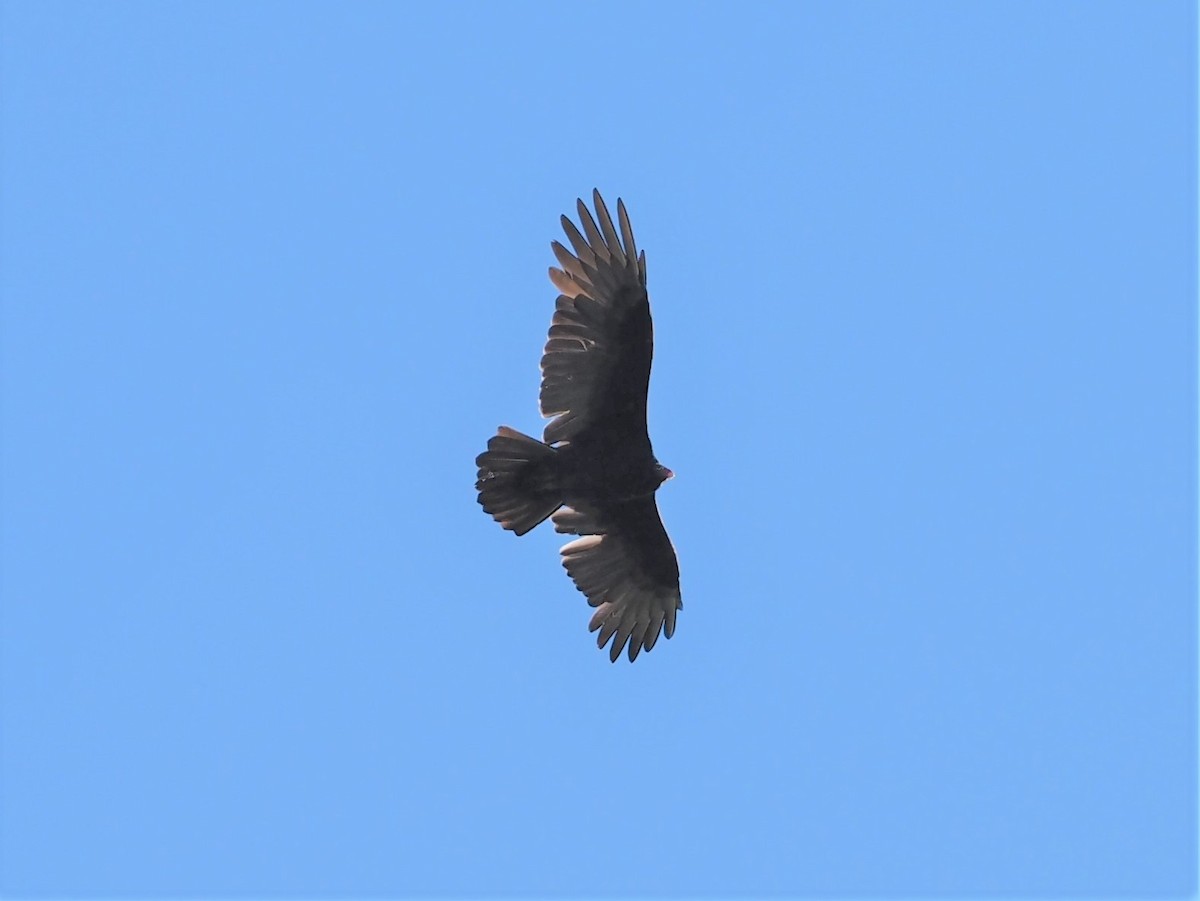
{"x": 596, "y": 473}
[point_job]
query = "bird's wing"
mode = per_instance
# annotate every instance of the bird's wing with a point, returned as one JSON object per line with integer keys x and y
{"x": 624, "y": 563}
{"x": 596, "y": 364}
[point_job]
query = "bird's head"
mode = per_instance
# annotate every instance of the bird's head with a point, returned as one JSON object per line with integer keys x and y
{"x": 663, "y": 473}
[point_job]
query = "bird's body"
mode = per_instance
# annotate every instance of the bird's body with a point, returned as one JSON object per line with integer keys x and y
{"x": 596, "y": 473}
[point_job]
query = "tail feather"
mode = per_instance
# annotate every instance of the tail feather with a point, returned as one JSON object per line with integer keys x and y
{"x": 517, "y": 482}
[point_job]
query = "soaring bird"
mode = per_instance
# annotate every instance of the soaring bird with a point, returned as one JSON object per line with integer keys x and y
{"x": 595, "y": 472}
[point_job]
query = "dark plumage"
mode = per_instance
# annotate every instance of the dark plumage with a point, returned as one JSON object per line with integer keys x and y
{"x": 596, "y": 473}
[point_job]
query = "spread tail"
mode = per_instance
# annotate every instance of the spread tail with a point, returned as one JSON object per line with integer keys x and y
{"x": 517, "y": 482}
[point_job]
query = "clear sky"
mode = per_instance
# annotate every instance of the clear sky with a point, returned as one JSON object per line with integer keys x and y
{"x": 924, "y": 285}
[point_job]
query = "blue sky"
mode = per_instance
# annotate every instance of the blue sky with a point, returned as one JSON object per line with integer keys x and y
{"x": 924, "y": 285}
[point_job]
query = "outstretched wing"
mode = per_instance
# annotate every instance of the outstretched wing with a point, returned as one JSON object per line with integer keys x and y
{"x": 624, "y": 563}
{"x": 596, "y": 364}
